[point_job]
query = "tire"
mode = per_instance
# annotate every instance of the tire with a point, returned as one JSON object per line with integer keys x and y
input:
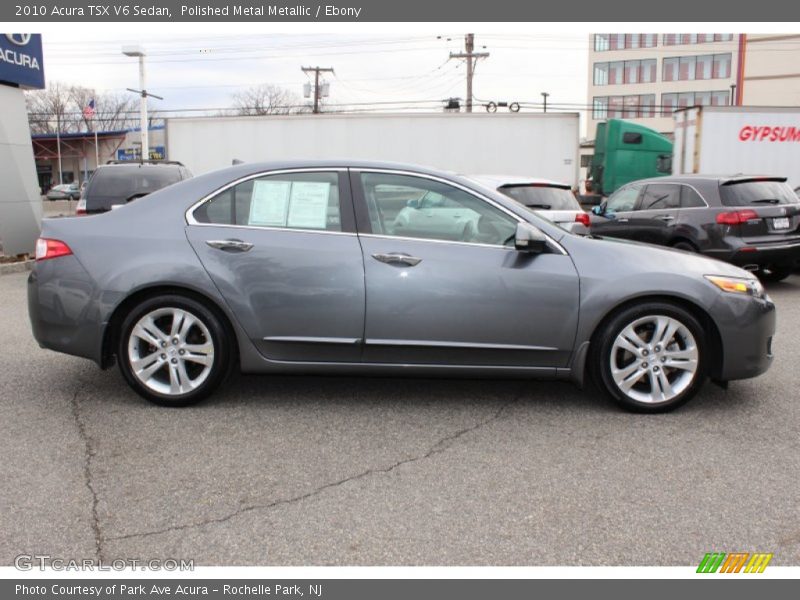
{"x": 637, "y": 382}
{"x": 173, "y": 370}
{"x": 773, "y": 273}
{"x": 686, "y": 246}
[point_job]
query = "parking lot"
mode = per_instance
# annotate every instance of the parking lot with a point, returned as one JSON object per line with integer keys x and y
{"x": 311, "y": 470}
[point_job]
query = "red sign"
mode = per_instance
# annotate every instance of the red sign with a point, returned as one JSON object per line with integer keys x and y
{"x": 765, "y": 133}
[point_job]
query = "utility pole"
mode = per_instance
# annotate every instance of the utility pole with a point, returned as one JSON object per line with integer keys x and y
{"x": 138, "y": 52}
{"x": 545, "y": 95}
{"x": 471, "y": 58}
{"x": 317, "y": 89}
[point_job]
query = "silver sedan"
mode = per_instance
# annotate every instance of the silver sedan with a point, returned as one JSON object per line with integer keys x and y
{"x": 373, "y": 268}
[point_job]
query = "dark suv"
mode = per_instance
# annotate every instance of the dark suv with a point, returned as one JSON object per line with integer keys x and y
{"x": 752, "y": 222}
{"x": 117, "y": 183}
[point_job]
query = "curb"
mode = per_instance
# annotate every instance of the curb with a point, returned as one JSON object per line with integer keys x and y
{"x": 17, "y": 267}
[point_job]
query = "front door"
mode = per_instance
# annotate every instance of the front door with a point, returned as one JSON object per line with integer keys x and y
{"x": 446, "y": 286}
{"x": 282, "y": 250}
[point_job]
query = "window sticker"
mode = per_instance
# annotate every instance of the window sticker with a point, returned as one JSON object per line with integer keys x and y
{"x": 308, "y": 204}
{"x": 269, "y": 204}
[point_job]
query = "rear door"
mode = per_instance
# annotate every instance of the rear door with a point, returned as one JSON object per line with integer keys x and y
{"x": 281, "y": 248}
{"x": 657, "y": 214}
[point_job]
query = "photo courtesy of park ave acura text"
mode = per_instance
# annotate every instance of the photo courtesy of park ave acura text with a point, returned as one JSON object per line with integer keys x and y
{"x": 354, "y": 299}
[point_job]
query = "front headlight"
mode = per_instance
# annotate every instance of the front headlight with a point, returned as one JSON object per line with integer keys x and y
{"x": 738, "y": 285}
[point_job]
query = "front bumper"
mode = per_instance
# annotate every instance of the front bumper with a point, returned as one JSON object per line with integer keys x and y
{"x": 746, "y": 326}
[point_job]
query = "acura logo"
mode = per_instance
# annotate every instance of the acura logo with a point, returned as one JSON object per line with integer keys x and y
{"x": 20, "y": 39}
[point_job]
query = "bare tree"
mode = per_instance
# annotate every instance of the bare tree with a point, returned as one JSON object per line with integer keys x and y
{"x": 267, "y": 99}
{"x": 48, "y": 108}
{"x": 61, "y": 107}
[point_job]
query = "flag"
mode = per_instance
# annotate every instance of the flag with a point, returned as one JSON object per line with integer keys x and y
{"x": 88, "y": 110}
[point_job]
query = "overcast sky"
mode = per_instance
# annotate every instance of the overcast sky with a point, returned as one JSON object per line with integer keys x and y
{"x": 204, "y": 70}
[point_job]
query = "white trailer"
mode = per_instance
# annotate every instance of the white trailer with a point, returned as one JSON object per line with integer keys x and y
{"x": 729, "y": 140}
{"x": 543, "y": 145}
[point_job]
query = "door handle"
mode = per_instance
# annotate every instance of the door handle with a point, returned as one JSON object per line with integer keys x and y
{"x": 622, "y": 220}
{"x": 665, "y": 218}
{"x": 397, "y": 258}
{"x": 230, "y": 245}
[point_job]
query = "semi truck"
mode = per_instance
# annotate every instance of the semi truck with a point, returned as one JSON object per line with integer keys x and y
{"x": 542, "y": 145}
{"x": 624, "y": 152}
{"x": 731, "y": 140}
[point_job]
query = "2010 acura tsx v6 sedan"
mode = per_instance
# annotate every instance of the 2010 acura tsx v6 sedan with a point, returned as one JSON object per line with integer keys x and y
{"x": 318, "y": 267}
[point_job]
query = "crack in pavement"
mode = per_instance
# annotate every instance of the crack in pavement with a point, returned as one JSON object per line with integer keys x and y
{"x": 88, "y": 454}
{"x": 437, "y": 448}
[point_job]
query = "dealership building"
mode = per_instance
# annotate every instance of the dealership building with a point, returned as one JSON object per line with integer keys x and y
{"x": 645, "y": 77}
{"x": 78, "y": 154}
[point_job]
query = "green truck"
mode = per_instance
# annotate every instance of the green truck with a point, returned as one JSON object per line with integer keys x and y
{"x": 624, "y": 152}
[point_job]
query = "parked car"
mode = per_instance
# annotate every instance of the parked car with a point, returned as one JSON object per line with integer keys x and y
{"x": 119, "y": 182}
{"x": 551, "y": 199}
{"x": 753, "y": 222}
{"x": 66, "y": 191}
{"x": 299, "y": 267}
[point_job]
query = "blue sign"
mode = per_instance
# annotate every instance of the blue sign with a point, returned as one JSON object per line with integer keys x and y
{"x": 156, "y": 153}
{"x": 21, "y": 60}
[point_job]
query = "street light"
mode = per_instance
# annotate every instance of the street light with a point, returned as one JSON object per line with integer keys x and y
{"x": 139, "y": 52}
{"x": 545, "y": 95}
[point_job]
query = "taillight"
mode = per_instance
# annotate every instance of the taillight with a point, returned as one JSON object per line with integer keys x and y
{"x": 46, "y": 248}
{"x": 80, "y": 208}
{"x": 583, "y": 218}
{"x": 738, "y": 217}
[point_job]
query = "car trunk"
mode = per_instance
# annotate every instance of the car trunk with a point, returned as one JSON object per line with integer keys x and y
{"x": 768, "y": 210}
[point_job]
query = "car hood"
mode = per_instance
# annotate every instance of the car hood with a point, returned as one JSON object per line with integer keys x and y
{"x": 625, "y": 257}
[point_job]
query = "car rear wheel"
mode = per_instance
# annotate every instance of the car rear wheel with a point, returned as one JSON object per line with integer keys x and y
{"x": 686, "y": 246}
{"x": 650, "y": 357}
{"x": 173, "y": 350}
{"x": 774, "y": 273}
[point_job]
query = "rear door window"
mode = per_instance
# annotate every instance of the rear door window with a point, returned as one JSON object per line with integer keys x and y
{"x": 542, "y": 197}
{"x": 756, "y": 193}
{"x": 660, "y": 196}
{"x": 690, "y": 198}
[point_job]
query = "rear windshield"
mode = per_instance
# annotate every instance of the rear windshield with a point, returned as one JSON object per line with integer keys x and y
{"x": 121, "y": 183}
{"x": 540, "y": 197}
{"x": 757, "y": 193}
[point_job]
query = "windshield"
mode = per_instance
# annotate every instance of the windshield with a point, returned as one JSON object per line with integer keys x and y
{"x": 755, "y": 193}
{"x": 541, "y": 197}
{"x": 122, "y": 182}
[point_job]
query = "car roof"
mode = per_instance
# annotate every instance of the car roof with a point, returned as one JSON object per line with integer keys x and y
{"x": 501, "y": 180}
{"x": 704, "y": 178}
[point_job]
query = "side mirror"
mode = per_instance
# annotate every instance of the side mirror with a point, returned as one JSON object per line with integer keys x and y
{"x": 528, "y": 238}
{"x": 598, "y": 210}
{"x": 413, "y": 203}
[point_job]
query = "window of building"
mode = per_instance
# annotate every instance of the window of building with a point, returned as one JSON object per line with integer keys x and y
{"x": 600, "y": 108}
{"x": 601, "y": 42}
{"x": 615, "y": 105}
{"x": 632, "y": 40}
{"x": 649, "y": 40}
{"x": 601, "y": 73}
{"x": 616, "y": 72}
{"x": 703, "y": 66}
{"x": 722, "y": 66}
{"x": 670, "y": 69}
{"x": 686, "y": 68}
{"x": 632, "y": 71}
{"x": 669, "y": 102}
{"x": 647, "y": 105}
{"x": 674, "y": 39}
{"x": 648, "y": 71}
{"x": 720, "y": 98}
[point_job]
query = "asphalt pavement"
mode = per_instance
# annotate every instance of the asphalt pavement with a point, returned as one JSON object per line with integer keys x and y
{"x": 347, "y": 471}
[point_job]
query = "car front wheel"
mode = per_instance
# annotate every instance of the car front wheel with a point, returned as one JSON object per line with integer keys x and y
{"x": 173, "y": 350}
{"x": 650, "y": 357}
